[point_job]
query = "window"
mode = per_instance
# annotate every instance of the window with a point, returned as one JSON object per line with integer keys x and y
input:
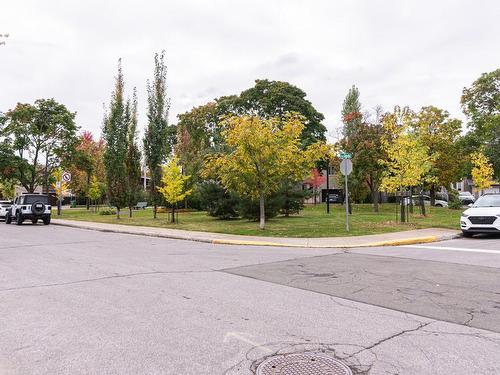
{"x": 30, "y": 199}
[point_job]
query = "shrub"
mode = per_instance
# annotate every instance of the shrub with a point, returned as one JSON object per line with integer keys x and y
{"x": 250, "y": 208}
{"x": 293, "y": 200}
{"x": 453, "y": 202}
{"x": 217, "y": 201}
{"x": 107, "y": 212}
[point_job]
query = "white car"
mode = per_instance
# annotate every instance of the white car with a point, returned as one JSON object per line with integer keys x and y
{"x": 427, "y": 201}
{"x": 482, "y": 217}
{"x": 32, "y": 207}
{"x": 4, "y": 208}
{"x": 466, "y": 197}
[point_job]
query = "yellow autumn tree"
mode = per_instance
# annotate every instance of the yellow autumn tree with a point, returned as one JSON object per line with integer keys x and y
{"x": 173, "y": 184}
{"x": 60, "y": 187}
{"x": 263, "y": 153}
{"x": 407, "y": 158}
{"x": 482, "y": 171}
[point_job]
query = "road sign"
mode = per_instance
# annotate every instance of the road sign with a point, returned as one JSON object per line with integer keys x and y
{"x": 66, "y": 177}
{"x": 346, "y": 167}
{"x": 345, "y": 155}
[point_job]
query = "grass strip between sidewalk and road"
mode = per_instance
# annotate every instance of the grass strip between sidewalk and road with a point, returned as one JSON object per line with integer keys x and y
{"x": 312, "y": 222}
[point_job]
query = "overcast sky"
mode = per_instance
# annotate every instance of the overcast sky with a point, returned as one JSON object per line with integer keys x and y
{"x": 412, "y": 53}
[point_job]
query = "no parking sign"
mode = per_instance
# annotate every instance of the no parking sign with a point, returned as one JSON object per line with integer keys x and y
{"x": 66, "y": 177}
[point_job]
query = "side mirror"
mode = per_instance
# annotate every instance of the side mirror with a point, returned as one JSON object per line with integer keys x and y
{"x": 470, "y": 205}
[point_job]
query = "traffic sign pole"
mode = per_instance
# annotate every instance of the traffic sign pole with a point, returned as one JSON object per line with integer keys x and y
{"x": 346, "y": 205}
{"x": 327, "y": 188}
{"x": 346, "y": 169}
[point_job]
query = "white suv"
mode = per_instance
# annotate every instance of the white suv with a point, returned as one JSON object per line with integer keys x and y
{"x": 4, "y": 208}
{"x": 482, "y": 217}
{"x": 29, "y": 207}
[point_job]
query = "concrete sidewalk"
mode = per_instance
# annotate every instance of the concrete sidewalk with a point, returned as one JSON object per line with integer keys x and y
{"x": 385, "y": 239}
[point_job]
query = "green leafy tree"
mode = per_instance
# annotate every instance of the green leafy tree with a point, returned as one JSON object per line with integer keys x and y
{"x": 274, "y": 99}
{"x": 159, "y": 136}
{"x": 407, "y": 158}
{"x": 8, "y": 161}
{"x": 440, "y": 134}
{"x": 264, "y": 152}
{"x": 481, "y": 104}
{"x": 351, "y": 112}
{"x": 7, "y": 188}
{"x": 95, "y": 192}
{"x": 366, "y": 145}
{"x": 41, "y": 136}
{"x": 198, "y": 134}
{"x": 133, "y": 160}
{"x": 115, "y": 132}
{"x": 86, "y": 161}
{"x": 173, "y": 186}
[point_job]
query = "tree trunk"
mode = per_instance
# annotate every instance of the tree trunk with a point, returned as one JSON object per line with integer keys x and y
{"x": 88, "y": 186}
{"x": 46, "y": 176}
{"x": 117, "y": 212}
{"x": 403, "y": 216}
{"x": 58, "y": 207}
{"x": 130, "y": 211}
{"x": 432, "y": 194}
{"x": 411, "y": 200}
{"x": 154, "y": 211}
{"x": 422, "y": 203}
{"x": 375, "y": 196}
{"x": 262, "y": 212}
{"x": 173, "y": 213}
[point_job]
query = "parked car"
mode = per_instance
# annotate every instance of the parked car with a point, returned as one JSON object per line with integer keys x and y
{"x": 482, "y": 217}
{"x": 4, "y": 208}
{"x": 334, "y": 198}
{"x": 466, "y": 197}
{"x": 427, "y": 201}
{"x": 32, "y": 207}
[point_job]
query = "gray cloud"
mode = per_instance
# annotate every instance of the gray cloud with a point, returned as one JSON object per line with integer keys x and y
{"x": 397, "y": 52}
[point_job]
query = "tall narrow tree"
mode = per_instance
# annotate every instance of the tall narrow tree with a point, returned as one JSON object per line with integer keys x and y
{"x": 133, "y": 161}
{"x": 159, "y": 136}
{"x": 115, "y": 134}
{"x": 351, "y": 112}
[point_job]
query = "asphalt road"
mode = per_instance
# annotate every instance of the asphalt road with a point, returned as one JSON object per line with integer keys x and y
{"x": 83, "y": 302}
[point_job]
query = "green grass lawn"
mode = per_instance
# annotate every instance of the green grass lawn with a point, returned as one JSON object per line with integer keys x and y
{"x": 313, "y": 221}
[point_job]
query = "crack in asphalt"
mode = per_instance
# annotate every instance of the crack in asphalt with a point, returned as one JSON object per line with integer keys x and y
{"x": 403, "y": 332}
{"x": 48, "y": 244}
{"x": 102, "y": 278}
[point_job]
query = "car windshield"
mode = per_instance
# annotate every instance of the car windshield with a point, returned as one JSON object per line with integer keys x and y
{"x": 30, "y": 199}
{"x": 488, "y": 201}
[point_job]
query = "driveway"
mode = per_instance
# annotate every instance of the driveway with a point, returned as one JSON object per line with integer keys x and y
{"x": 84, "y": 302}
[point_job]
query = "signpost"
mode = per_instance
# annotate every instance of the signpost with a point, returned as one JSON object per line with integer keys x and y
{"x": 346, "y": 169}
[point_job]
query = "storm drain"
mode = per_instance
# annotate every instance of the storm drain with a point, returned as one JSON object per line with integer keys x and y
{"x": 302, "y": 364}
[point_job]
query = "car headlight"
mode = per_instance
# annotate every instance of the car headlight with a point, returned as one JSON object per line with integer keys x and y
{"x": 464, "y": 215}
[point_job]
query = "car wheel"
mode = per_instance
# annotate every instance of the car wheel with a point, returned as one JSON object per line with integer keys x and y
{"x": 34, "y": 221}
{"x": 19, "y": 218}
{"x": 467, "y": 234}
{"x": 46, "y": 221}
{"x": 8, "y": 219}
{"x": 439, "y": 205}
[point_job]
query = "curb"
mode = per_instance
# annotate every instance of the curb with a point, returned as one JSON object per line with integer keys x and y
{"x": 220, "y": 241}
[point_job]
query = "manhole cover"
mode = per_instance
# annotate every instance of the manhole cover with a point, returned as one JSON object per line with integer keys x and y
{"x": 302, "y": 364}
